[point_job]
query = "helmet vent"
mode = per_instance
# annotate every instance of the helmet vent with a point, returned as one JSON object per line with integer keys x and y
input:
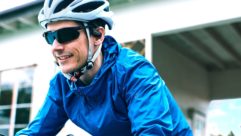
{"x": 88, "y": 7}
{"x": 42, "y": 12}
{"x": 62, "y": 5}
{"x": 107, "y": 9}
{"x": 50, "y": 3}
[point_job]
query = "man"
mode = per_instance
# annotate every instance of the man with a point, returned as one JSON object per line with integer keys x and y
{"x": 103, "y": 88}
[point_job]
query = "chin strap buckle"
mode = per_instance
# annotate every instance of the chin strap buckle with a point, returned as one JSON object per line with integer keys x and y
{"x": 90, "y": 65}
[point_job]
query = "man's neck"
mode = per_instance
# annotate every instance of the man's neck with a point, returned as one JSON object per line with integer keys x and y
{"x": 87, "y": 77}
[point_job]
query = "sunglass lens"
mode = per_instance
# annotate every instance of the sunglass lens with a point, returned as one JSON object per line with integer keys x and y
{"x": 49, "y": 37}
{"x": 67, "y": 35}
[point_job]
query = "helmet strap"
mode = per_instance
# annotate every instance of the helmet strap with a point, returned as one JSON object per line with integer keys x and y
{"x": 90, "y": 59}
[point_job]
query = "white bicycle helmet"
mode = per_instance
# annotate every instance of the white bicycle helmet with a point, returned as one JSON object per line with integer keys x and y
{"x": 77, "y": 10}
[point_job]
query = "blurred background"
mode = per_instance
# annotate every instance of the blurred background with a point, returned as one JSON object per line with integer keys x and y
{"x": 194, "y": 44}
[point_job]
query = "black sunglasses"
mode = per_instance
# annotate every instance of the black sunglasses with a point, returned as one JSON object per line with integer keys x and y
{"x": 62, "y": 35}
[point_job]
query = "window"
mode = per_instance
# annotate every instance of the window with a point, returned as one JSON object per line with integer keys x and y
{"x": 138, "y": 46}
{"x": 197, "y": 121}
{"x": 224, "y": 118}
{"x": 15, "y": 99}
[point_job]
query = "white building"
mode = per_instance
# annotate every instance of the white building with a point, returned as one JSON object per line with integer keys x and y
{"x": 195, "y": 45}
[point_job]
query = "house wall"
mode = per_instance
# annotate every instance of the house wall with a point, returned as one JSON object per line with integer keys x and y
{"x": 225, "y": 84}
{"x": 187, "y": 80}
{"x": 141, "y": 18}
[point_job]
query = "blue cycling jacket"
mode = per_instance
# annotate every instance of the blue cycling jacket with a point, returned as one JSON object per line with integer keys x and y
{"x": 126, "y": 97}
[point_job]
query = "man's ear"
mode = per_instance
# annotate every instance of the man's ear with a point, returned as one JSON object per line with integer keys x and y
{"x": 99, "y": 35}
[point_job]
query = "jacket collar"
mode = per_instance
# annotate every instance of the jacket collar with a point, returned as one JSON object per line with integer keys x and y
{"x": 110, "y": 50}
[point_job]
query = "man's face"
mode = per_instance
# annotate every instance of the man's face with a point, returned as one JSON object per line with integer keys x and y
{"x": 70, "y": 55}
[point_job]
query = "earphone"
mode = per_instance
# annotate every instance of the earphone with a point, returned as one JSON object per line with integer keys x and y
{"x": 96, "y": 33}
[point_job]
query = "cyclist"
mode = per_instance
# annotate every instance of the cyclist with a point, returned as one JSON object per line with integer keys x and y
{"x": 103, "y": 88}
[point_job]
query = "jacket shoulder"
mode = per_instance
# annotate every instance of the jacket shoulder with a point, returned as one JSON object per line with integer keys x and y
{"x": 129, "y": 59}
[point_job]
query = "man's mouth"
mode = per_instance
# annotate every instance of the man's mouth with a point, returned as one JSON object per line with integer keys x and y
{"x": 63, "y": 57}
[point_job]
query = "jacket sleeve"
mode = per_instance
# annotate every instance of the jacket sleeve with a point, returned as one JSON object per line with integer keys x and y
{"x": 152, "y": 109}
{"x": 50, "y": 118}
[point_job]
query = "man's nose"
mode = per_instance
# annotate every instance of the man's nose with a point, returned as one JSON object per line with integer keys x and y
{"x": 57, "y": 46}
